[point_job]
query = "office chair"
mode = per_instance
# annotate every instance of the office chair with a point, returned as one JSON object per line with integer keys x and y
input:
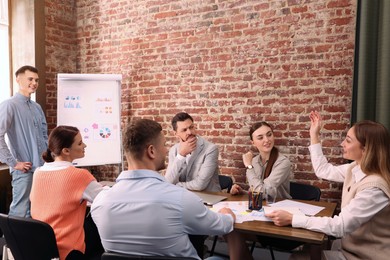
{"x": 5, "y": 193}
{"x": 118, "y": 256}
{"x": 226, "y": 182}
{"x": 298, "y": 191}
{"x": 29, "y": 239}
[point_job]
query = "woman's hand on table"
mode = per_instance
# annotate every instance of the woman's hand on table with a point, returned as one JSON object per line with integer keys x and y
{"x": 280, "y": 217}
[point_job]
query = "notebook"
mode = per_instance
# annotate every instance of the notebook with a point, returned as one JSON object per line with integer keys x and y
{"x": 209, "y": 199}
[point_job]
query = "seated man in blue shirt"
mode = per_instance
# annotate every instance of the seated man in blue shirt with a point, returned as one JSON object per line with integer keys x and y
{"x": 142, "y": 214}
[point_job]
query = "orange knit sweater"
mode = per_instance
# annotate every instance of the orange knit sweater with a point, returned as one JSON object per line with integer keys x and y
{"x": 56, "y": 199}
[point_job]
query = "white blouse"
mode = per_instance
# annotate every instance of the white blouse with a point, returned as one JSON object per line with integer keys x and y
{"x": 358, "y": 211}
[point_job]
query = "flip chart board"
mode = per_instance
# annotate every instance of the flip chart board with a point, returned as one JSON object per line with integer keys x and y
{"x": 91, "y": 102}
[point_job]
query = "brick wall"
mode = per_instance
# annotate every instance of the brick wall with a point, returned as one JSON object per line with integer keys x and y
{"x": 227, "y": 63}
{"x": 61, "y": 50}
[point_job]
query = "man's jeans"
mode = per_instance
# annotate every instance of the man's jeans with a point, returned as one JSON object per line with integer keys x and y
{"x": 21, "y": 187}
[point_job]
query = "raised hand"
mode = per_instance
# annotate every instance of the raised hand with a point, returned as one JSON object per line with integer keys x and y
{"x": 315, "y": 127}
{"x": 247, "y": 158}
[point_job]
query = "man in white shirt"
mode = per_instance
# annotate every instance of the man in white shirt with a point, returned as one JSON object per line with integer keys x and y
{"x": 142, "y": 214}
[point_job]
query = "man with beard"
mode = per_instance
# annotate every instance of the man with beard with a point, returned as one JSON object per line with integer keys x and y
{"x": 193, "y": 162}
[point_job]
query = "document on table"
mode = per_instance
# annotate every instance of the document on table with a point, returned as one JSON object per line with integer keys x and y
{"x": 240, "y": 209}
{"x": 305, "y": 208}
{"x": 292, "y": 210}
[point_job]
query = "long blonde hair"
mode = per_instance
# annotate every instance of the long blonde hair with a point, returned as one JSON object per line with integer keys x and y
{"x": 375, "y": 139}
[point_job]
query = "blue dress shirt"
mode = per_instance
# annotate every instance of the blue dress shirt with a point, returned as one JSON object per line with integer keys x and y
{"x": 25, "y": 125}
{"x": 142, "y": 214}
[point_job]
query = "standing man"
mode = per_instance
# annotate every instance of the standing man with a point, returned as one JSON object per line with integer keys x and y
{"x": 193, "y": 162}
{"x": 23, "y": 122}
{"x": 142, "y": 214}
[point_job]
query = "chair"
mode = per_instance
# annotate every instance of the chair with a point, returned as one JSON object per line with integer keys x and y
{"x": 5, "y": 192}
{"x": 298, "y": 191}
{"x": 118, "y": 256}
{"x": 226, "y": 182}
{"x": 29, "y": 239}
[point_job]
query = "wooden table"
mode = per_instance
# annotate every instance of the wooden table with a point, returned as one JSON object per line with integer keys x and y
{"x": 269, "y": 229}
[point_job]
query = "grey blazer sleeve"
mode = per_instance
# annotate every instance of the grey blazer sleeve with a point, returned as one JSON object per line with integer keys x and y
{"x": 176, "y": 166}
{"x": 200, "y": 172}
{"x": 280, "y": 176}
{"x": 203, "y": 169}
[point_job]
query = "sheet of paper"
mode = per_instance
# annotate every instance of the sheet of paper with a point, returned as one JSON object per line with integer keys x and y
{"x": 306, "y": 208}
{"x": 240, "y": 209}
{"x": 292, "y": 210}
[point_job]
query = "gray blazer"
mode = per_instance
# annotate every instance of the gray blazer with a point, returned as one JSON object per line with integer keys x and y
{"x": 200, "y": 173}
{"x": 280, "y": 176}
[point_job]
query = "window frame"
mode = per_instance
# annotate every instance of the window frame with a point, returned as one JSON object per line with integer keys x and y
{"x": 5, "y": 49}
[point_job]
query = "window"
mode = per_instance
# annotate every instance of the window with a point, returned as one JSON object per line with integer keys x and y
{"x": 5, "y": 86}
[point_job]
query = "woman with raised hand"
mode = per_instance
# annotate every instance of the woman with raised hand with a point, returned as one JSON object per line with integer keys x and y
{"x": 269, "y": 167}
{"x": 362, "y": 224}
{"x": 60, "y": 191}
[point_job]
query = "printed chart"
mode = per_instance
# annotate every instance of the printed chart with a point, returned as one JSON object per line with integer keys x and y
{"x": 91, "y": 102}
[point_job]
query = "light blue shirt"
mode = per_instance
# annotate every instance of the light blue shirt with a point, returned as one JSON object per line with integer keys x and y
{"x": 24, "y": 123}
{"x": 142, "y": 214}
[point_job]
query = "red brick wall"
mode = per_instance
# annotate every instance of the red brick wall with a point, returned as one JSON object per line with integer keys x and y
{"x": 227, "y": 63}
{"x": 61, "y": 50}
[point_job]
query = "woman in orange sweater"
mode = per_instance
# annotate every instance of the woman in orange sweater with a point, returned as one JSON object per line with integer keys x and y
{"x": 60, "y": 191}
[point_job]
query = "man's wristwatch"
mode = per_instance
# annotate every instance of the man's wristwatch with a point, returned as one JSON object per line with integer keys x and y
{"x": 249, "y": 166}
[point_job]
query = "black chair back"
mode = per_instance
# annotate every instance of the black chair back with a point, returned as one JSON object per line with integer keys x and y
{"x": 118, "y": 256}
{"x": 226, "y": 182}
{"x": 300, "y": 191}
{"x": 29, "y": 239}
